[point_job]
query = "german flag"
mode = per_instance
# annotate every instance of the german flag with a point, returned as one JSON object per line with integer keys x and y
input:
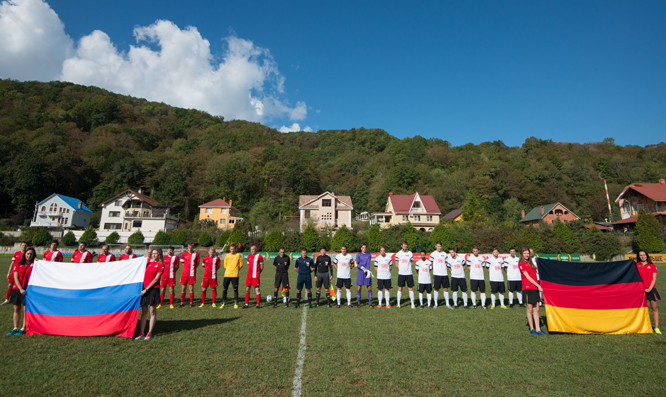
{"x": 594, "y": 298}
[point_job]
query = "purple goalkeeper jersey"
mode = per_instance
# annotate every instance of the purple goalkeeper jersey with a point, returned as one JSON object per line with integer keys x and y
{"x": 362, "y": 264}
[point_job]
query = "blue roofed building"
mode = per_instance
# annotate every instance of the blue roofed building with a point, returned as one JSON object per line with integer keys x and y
{"x": 61, "y": 212}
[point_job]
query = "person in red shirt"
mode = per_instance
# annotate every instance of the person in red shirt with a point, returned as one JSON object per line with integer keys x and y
{"x": 531, "y": 290}
{"x": 128, "y": 253}
{"x": 255, "y": 265}
{"x": 10, "y": 275}
{"x": 53, "y": 255}
{"x": 171, "y": 265}
{"x": 188, "y": 276}
{"x": 210, "y": 264}
{"x": 648, "y": 272}
{"x": 21, "y": 272}
{"x": 82, "y": 255}
{"x": 150, "y": 295}
{"x": 105, "y": 256}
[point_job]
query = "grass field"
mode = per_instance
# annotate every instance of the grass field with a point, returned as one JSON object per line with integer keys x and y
{"x": 207, "y": 351}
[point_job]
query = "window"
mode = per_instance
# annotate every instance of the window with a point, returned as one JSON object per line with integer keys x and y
{"x": 209, "y": 210}
{"x": 326, "y": 202}
{"x": 112, "y": 226}
{"x": 336, "y": 214}
{"x": 114, "y": 214}
{"x": 118, "y": 203}
{"x": 405, "y": 218}
{"x": 223, "y": 221}
{"x": 558, "y": 212}
{"x": 223, "y": 211}
{"x": 327, "y": 217}
{"x": 417, "y": 218}
{"x": 137, "y": 223}
{"x": 417, "y": 204}
{"x": 231, "y": 221}
{"x": 306, "y": 214}
{"x": 66, "y": 221}
{"x": 429, "y": 218}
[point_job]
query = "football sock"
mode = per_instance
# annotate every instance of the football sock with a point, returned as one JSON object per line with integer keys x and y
{"x": 298, "y": 298}
{"x": 339, "y": 296}
{"x": 421, "y": 298}
{"x": 411, "y": 297}
{"x": 436, "y": 297}
{"x": 275, "y": 298}
{"x": 387, "y": 295}
{"x": 9, "y": 292}
{"x": 161, "y": 299}
{"x": 446, "y": 297}
{"x": 492, "y": 299}
{"x": 348, "y": 297}
{"x": 483, "y": 299}
{"x": 455, "y": 298}
{"x": 235, "y": 295}
{"x": 203, "y": 298}
{"x": 328, "y": 297}
{"x": 511, "y": 298}
{"x": 473, "y": 298}
{"x": 171, "y": 299}
{"x": 370, "y": 297}
{"x": 247, "y": 298}
{"x": 380, "y": 296}
{"x": 310, "y": 298}
{"x": 520, "y": 297}
{"x": 191, "y": 297}
{"x": 318, "y": 296}
{"x": 358, "y": 298}
{"x": 258, "y": 299}
{"x": 399, "y": 298}
{"x": 464, "y": 294}
{"x": 214, "y": 293}
{"x": 182, "y": 298}
{"x": 429, "y": 299}
{"x": 501, "y": 299}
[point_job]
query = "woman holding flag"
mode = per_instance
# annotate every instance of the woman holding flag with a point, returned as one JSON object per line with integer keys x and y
{"x": 150, "y": 295}
{"x": 648, "y": 272}
{"x": 531, "y": 290}
{"x": 21, "y": 274}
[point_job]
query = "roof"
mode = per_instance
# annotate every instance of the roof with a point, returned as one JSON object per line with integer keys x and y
{"x": 219, "y": 203}
{"x": 304, "y": 201}
{"x": 453, "y": 214}
{"x": 535, "y": 214}
{"x": 402, "y": 203}
{"x": 140, "y": 196}
{"x": 70, "y": 201}
{"x": 634, "y": 218}
{"x": 595, "y": 226}
{"x": 654, "y": 191}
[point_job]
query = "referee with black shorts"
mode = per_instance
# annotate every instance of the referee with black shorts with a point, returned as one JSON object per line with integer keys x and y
{"x": 281, "y": 263}
{"x": 324, "y": 276}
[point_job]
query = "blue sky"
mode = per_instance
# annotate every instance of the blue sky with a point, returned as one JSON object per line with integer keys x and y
{"x": 461, "y": 71}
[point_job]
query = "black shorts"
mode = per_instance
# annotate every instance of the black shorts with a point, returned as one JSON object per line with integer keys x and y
{"x": 531, "y": 296}
{"x": 151, "y": 297}
{"x": 282, "y": 278}
{"x": 17, "y": 298}
{"x": 458, "y": 282}
{"x": 425, "y": 287}
{"x": 232, "y": 280}
{"x": 346, "y": 282}
{"x": 497, "y": 286}
{"x": 477, "y": 285}
{"x": 304, "y": 280}
{"x": 408, "y": 278}
{"x": 440, "y": 282}
{"x": 324, "y": 279}
{"x": 383, "y": 284}
{"x": 652, "y": 296}
{"x": 515, "y": 286}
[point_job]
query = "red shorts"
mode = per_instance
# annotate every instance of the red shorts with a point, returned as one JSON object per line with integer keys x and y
{"x": 207, "y": 281}
{"x": 251, "y": 282}
{"x": 167, "y": 281}
{"x": 186, "y": 279}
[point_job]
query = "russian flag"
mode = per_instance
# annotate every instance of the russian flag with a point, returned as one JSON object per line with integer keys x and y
{"x": 84, "y": 299}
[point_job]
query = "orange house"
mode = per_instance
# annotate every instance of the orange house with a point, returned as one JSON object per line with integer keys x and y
{"x": 224, "y": 214}
{"x": 548, "y": 213}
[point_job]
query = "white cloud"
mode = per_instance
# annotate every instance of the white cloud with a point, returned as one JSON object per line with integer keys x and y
{"x": 33, "y": 42}
{"x": 294, "y": 127}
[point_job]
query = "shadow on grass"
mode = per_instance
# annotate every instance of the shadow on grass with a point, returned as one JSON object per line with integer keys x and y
{"x": 169, "y": 326}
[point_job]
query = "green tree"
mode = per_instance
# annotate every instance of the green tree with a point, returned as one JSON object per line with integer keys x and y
{"x": 649, "y": 235}
{"x": 89, "y": 236}
{"x": 68, "y": 239}
{"x": 135, "y": 238}
{"x": 410, "y": 235}
{"x": 343, "y": 236}
{"x": 205, "y": 240}
{"x": 562, "y": 233}
{"x": 273, "y": 241}
{"x": 375, "y": 238}
{"x": 532, "y": 239}
{"x": 602, "y": 245}
{"x": 27, "y": 233}
{"x": 292, "y": 242}
{"x": 361, "y": 197}
{"x": 163, "y": 238}
{"x": 472, "y": 212}
{"x": 41, "y": 238}
{"x": 310, "y": 239}
{"x": 443, "y": 234}
{"x": 238, "y": 236}
{"x": 183, "y": 237}
{"x": 222, "y": 238}
{"x": 392, "y": 237}
{"x": 113, "y": 238}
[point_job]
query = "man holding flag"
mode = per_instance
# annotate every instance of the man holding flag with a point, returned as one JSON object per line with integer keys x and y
{"x": 105, "y": 256}
{"x": 82, "y": 255}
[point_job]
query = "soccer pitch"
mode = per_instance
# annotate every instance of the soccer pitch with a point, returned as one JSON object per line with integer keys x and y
{"x": 208, "y": 351}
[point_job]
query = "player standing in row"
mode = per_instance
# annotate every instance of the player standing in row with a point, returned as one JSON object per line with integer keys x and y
{"x": 477, "y": 277}
{"x": 53, "y": 255}
{"x": 324, "y": 275}
{"x": 457, "y": 265}
{"x": 423, "y": 267}
{"x": 363, "y": 274}
{"x": 281, "y": 263}
{"x": 105, "y": 256}
{"x": 21, "y": 274}
{"x": 404, "y": 260}
{"x": 440, "y": 274}
{"x": 648, "y": 273}
{"x": 150, "y": 294}
{"x": 255, "y": 265}
{"x": 171, "y": 265}
{"x": 82, "y": 255}
{"x": 384, "y": 264}
{"x": 512, "y": 270}
{"x": 128, "y": 253}
{"x": 188, "y": 277}
{"x": 494, "y": 265}
{"x": 343, "y": 263}
{"x": 210, "y": 264}
{"x": 528, "y": 270}
{"x": 10, "y": 275}
{"x": 304, "y": 267}
{"x": 233, "y": 262}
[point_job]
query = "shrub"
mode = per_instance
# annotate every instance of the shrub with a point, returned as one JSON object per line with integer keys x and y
{"x": 112, "y": 238}
{"x": 89, "y": 236}
{"x": 41, "y": 237}
{"x": 375, "y": 238}
{"x": 136, "y": 238}
{"x": 532, "y": 239}
{"x": 6, "y": 240}
{"x": 164, "y": 238}
{"x": 649, "y": 235}
{"x": 205, "y": 240}
{"x": 182, "y": 238}
{"x": 443, "y": 234}
{"x": 27, "y": 233}
{"x": 292, "y": 242}
{"x": 410, "y": 235}
{"x": 604, "y": 246}
{"x": 222, "y": 238}
{"x": 273, "y": 241}
{"x": 68, "y": 239}
{"x": 310, "y": 239}
{"x": 342, "y": 237}
{"x": 237, "y": 237}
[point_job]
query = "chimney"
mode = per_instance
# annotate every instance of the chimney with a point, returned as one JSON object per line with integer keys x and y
{"x": 224, "y": 199}
{"x": 542, "y": 210}
{"x": 231, "y": 202}
{"x": 662, "y": 182}
{"x": 522, "y": 214}
{"x": 390, "y": 194}
{"x": 80, "y": 205}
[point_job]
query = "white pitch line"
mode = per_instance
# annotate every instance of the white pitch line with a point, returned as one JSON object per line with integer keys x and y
{"x": 300, "y": 359}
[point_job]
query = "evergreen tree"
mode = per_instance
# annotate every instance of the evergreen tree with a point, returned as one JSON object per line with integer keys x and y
{"x": 649, "y": 235}
{"x": 375, "y": 240}
{"x": 238, "y": 236}
{"x": 89, "y": 236}
{"x": 161, "y": 238}
{"x": 343, "y": 236}
{"x": 360, "y": 197}
{"x": 443, "y": 234}
{"x": 310, "y": 239}
{"x": 205, "y": 240}
{"x": 410, "y": 235}
{"x": 68, "y": 239}
{"x": 135, "y": 238}
{"x": 114, "y": 237}
{"x": 182, "y": 238}
{"x": 472, "y": 212}
{"x": 562, "y": 233}
{"x": 532, "y": 239}
{"x": 222, "y": 238}
{"x": 273, "y": 241}
{"x": 42, "y": 237}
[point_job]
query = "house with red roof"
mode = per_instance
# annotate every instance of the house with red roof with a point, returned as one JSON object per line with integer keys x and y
{"x": 325, "y": 210}
{"x": 421, "y": 210}
{"x": 223, "y": 214}
{"x": 649, "y": 196}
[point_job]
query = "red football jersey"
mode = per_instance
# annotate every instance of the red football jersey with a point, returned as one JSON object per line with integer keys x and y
{"x": 53, "y": 256}
{"x": 646, "y": 273}
{"x": 525, "y": 267}
{"x": 190, "y": 263}
{"x": 125, "y": 257}
{"x": 171, "y": 265}
{"x": 82, "y": 257}
{"x": 152, "y": 270}
{"x": 24, "y": 272}
{"x": 210, "y": 266}
{"x": 17, "y": 257}
{"x": 106, "y": 258}
{"x": 254, "y": 263}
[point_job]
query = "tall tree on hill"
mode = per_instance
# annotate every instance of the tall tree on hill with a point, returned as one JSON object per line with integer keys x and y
{"x": 361, "y": 197}
{"x": 472, "y": 212}
{"x": 649, "y": 235}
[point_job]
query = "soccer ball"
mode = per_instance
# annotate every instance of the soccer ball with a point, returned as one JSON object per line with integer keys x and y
{"x": 269, "y": 298}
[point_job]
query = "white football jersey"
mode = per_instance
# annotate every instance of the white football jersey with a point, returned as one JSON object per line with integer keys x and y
{"x": 475, "y": 264}
{"x": 423, "y": 267}
{"x": 513, "y": 269}
{"x": 456, "y": 264}
{"x": 404, "y": 259}
{"x": 495, "y": 266}
{"x": 344, "y": 263}
{"x": 383, "y": 265}
{"x": 438, "y": 260}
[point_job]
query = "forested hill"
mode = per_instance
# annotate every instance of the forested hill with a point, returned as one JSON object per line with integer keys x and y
{"x": 89, "y": 143}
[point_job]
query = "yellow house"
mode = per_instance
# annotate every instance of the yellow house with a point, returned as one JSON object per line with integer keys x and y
{"x": 455, "y": 215}
{"x": 421, "y": 210}
{"x": 224, "y": 214}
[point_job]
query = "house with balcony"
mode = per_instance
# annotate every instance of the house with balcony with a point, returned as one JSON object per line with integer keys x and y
{"x": 223, "y": 214}
{"x": 650, "y": 197}
{"x": 61, "y": 212}
{"x": 548, "y": 213}
{"x": 132, "y": 211}
{"x": 325, "y": 210}
{"x": 421, "y": 210}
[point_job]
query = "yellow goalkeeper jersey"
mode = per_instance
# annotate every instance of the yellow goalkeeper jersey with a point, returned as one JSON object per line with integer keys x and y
{"x": 232, "y": 264}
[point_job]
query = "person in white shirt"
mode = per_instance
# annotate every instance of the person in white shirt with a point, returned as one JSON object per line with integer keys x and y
{"x": 343, "y": 263}
{"x": 404, "y": 260}
{"x": 440, "y": 273}
{"x": 512, "y": 270}
{"x": 384, "y": 264}
{"x": 457, "y": 265}
{"x": 494, "y": 266}
{"x": 423, "y": 267}
{"x": 477, "y": 277}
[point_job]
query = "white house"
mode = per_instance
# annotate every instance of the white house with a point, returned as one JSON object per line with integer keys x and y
{"x": 58, "y": 211}
{"x": 327, "y": 209}
{"x": 132, "y": 211}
